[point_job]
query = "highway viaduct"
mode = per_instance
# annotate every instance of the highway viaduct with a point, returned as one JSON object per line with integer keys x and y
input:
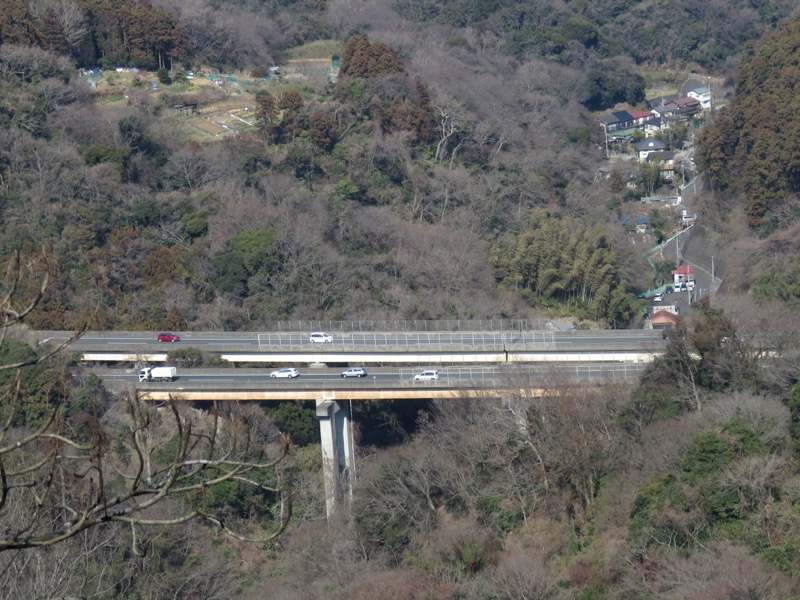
{"x": 333, "y": 396}
{"x": 614, "y": 355}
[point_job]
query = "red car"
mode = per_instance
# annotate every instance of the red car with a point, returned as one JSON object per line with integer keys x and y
{"x": 168, "y": 337}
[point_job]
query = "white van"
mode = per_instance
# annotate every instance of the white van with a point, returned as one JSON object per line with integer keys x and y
{"x": 320, "y": 337}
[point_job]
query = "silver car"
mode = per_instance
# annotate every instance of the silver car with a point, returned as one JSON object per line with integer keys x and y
{"x": 290, "y": 372}
{"x": 429, "y": 375}
{"x": 355, "y": 372}
{"x": 320, "y": 337}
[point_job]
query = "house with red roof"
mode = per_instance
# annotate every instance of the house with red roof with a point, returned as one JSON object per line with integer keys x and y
{"x": 661, "y": 320}
{"x": 683, "y": 277}
{"x": 640, "y": 117}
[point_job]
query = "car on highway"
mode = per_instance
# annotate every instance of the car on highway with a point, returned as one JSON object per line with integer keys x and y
{"x": 355, "y": 372}
{"x": 166, "y": 336}
{"x": 429, "y": 375}
{"x": 320, "y": 337}
{"x": 290, "y": 372}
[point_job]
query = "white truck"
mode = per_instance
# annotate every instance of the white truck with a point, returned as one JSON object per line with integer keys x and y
{"x": 158, "y": 374}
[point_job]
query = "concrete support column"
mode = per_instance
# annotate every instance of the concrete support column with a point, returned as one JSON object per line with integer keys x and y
{"x": 338, "y": 457}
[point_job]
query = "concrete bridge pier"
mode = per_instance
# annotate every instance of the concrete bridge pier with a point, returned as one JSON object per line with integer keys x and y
{"x": 338, "y": 458}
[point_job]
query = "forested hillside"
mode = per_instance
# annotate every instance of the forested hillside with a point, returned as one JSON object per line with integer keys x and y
{"x": 442, "y": 134}
{"x": 750, "y": 156}
{"x": 449, "y": 165}
{"x": 751, "y": 148}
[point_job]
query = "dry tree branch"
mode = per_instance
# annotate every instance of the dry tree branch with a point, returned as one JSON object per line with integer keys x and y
{"x": 54, "y": 478}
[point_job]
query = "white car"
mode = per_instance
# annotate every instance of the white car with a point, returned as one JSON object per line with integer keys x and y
{"x": 429, "y": 375}
{"x": 355, "y": 372}
{"x": 658, "y": 298}
{"x": 320, "y": 337}
{"x": 287, "y": 372}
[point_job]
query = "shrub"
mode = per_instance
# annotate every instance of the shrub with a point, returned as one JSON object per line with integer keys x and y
{"x": 707, "y": 454}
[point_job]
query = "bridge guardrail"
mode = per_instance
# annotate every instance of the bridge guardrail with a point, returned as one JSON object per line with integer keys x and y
{"x": 453, "y": 377}
{"x": 377, "y": 341}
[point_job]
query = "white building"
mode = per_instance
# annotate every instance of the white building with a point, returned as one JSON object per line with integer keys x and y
{"x": 703, "y": 94}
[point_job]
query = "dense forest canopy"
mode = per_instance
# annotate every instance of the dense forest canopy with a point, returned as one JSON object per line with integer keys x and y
{"x": 651, "y": 33}
{"x": 751, "y": 149}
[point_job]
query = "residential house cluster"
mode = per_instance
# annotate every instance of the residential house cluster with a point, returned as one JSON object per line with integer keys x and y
{"x": 622, "y": 125}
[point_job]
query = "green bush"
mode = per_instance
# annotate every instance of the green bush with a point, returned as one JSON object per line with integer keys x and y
{"x": 494, "y": 513}
{"x": 297, "y": 420}
{"x": 745, "y": 439}
{"x": 648, "y": 404}
{"x": 39, "y": 385}
{"x": 721, "y": 503}
{"x": 645, "y": 521}
{"x": 102, "y": 153}
{"x": 707, "y": 454}
{"x": 786, "y": 558}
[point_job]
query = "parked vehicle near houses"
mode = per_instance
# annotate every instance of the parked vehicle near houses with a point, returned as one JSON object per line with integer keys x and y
{"x": 158, "y": 374}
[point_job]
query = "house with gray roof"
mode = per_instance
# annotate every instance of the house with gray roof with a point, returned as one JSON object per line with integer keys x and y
{"x": 648, "y": 146}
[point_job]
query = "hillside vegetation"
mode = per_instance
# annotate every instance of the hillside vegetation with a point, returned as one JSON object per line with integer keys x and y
{"x": 452, "y": 168}
{"x": 428, "y": 156}
{"x": 750, "y": 149}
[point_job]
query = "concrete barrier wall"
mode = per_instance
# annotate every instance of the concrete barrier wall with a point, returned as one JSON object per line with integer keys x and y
{"x": 384, "y": 357}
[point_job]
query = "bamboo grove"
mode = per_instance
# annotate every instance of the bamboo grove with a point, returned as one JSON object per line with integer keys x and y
{"x": 558, "y": 261}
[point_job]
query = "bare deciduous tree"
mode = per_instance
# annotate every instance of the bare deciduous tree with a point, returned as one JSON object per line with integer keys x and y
{"x": 70, "y": 18}
{"x": 451, "y": 124}
{"x": 73, "y": 470}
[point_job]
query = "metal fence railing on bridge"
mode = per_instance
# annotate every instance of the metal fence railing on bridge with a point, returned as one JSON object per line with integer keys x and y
{"x": 551, "y": 375}
{"x": 400, "y": 325}
{"x": 494, "y": 341}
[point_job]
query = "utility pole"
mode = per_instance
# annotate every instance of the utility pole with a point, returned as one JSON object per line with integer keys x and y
{"x": 710, "y": 97}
